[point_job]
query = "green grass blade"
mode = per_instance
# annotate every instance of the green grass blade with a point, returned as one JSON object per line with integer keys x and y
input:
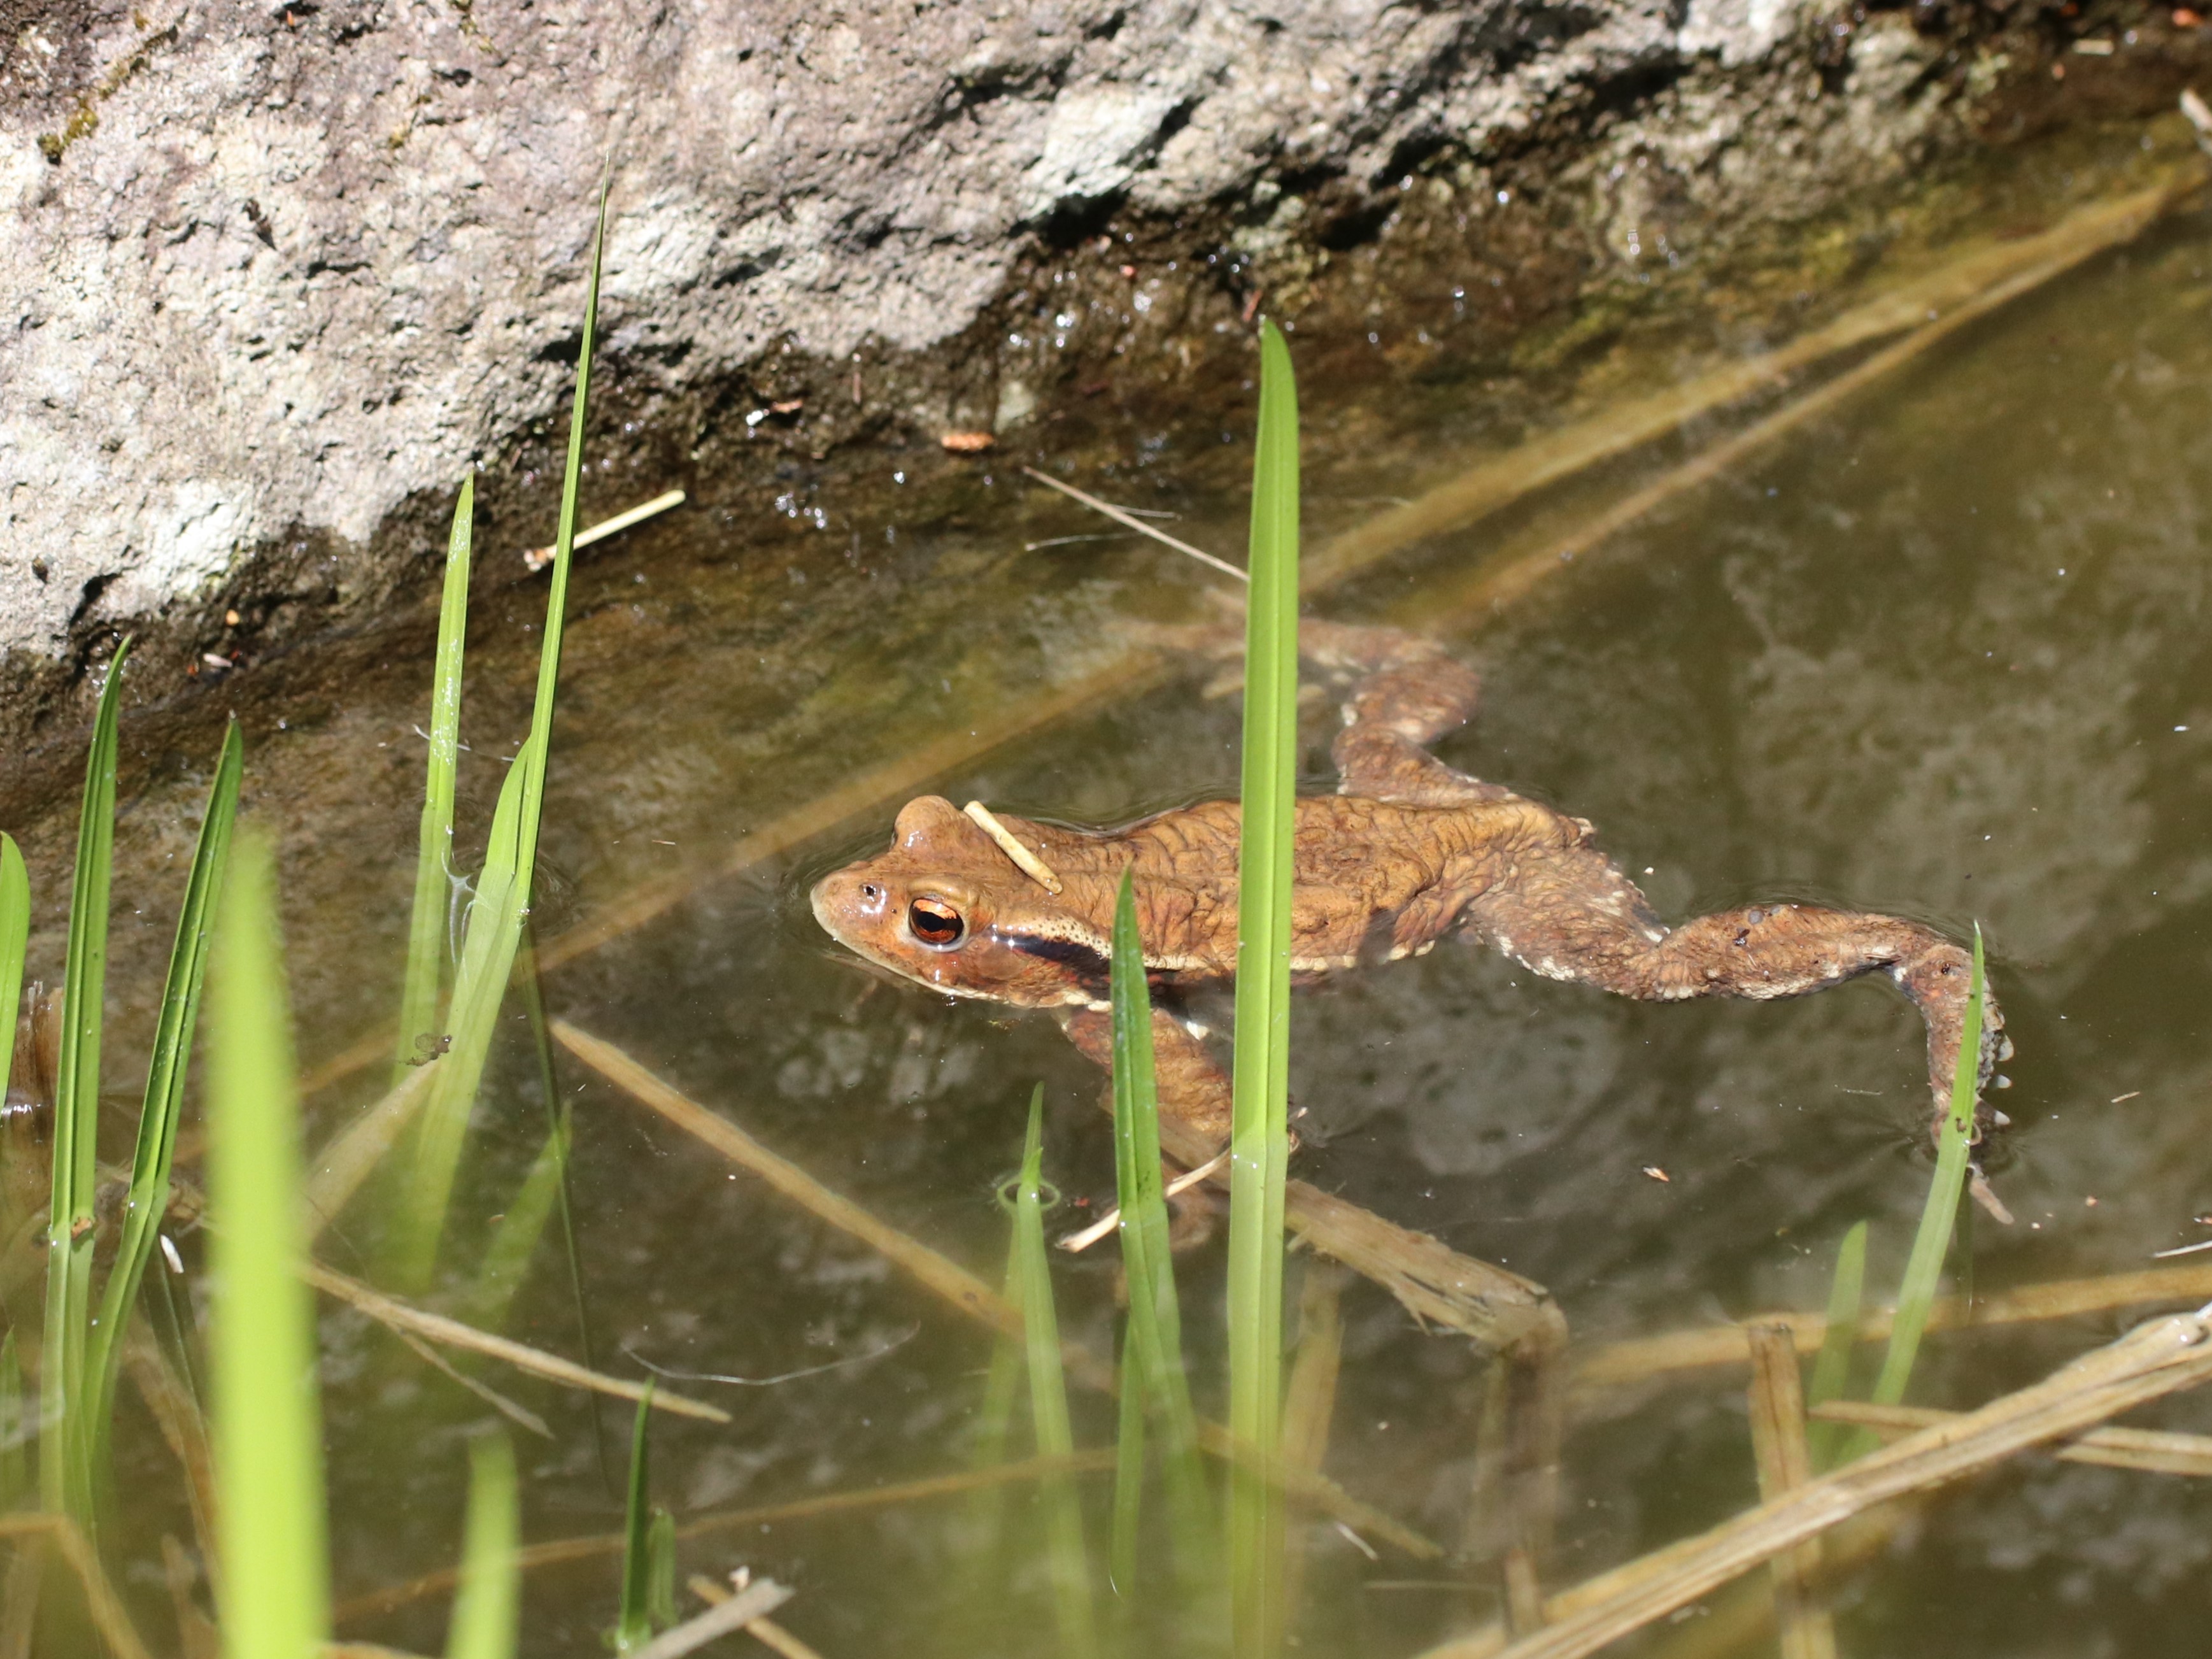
{"x": 994, "y": 1418}
{"x": 1128, "y": 1476}
{"x": 1155, "y": 1318}
{"x": 434, "y": 856}
{"x": 487, "y": 950}
{"x": 558, "y": 1122}
{"x": 487, "y": 1608}
{"x": 1923, "y": 1270}
{"x": 268, "y": 1431}
{"x": 507, "y": 1260}
{"x": 634, "y": 1615}
{"x": 1259, "y": 1139}
{"x": 165, "y": 1088}
{"x": 1063, "y": 1520}
{"x": 14, "y": 940}
{"x": 660, "y": 1569}
{"x": 65, "y": 1445}
{"x": 502, "y": 901}
{"x": 1832, "y": 1370}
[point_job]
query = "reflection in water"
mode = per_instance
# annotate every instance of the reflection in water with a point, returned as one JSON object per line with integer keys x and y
{"x": 1943, "y": 657}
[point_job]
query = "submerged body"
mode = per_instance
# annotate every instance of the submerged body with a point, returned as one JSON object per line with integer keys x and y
{"x": 1408, "y": 852}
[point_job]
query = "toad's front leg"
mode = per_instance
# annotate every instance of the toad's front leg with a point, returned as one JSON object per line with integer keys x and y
{"x": 1193, "y": 1091}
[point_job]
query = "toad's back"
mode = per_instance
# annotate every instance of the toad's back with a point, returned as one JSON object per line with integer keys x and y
{"x": 1371, "y": 878}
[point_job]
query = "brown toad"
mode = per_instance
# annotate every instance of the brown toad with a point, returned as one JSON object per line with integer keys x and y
{"x": 1406, "y": 852}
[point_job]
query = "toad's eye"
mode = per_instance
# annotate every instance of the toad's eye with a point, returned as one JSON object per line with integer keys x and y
{"x": 935, "y": 923}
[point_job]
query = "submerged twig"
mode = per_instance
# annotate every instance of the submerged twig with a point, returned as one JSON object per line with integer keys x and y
{"x": 2158, "y": 1451}
{"x": 1122, "y": 517}
{"x": 1502, "y": 580}
{"x": 763, "y": 1629}
{"x": 946, "y": 1279}
{"x": 1640, "y": 1358}
{"x": 521, "y": 1416}
{"x": 452, "y": 1334}
{"x": 1502, "y": 480}
{"x": 761, "y": 1597}
{"x": 1310, "y": 1398}
{"x": 1076, "y": 1242}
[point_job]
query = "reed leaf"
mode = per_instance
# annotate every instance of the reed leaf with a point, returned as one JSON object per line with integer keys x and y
{"x": 1153, "y": 1337}
{"x": 1133, "y": 1406}
{"x": 502, "y": 900}
{"x": 1259, "y": 1138}
{"x": 506, "y": 1259}
{"x": 634, "y": 1613}
{"x": 164, "y": 1104}
{"x": 434, "y": 856}
{"x": 487, "y": 1608}
{"x": 1924, "y": 1270}
{"x": 267, "y": 1426}
{"x": 660, "y": 1569}
{"x": 995, "y": 1418}
{"x": 558, "y": 1117}
{"x": 1063, "y": 1520}
{"x": 1832, "y": 1368}
{"x": 64, "y": 1446}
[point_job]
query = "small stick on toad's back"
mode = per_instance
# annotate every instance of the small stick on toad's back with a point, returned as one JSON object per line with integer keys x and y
{"x": 1031, "y": 865}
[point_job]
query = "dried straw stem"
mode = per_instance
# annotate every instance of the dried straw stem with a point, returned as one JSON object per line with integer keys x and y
{"x": 1309, "y": 1397}
{"x": 763, "y": 1629}
{"x": 2154, "y": 1359}
{"x": 757, "y": 1600}
{"x": 1644, "y": 1358}
{"x": 2157, "y": 1451}
{"x": 1785, "y": 1463}
{"x": 65, "y": 1537}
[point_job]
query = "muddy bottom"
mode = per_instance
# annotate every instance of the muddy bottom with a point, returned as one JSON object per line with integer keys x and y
{"x": 1939, "y": 654}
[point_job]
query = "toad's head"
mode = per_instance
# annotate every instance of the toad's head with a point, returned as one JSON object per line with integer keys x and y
{"x": 946, "y": 908}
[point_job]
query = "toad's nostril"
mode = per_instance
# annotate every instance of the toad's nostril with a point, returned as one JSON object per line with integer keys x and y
{"x": 868, "y": 890}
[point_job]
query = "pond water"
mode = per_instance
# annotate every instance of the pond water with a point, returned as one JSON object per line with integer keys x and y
{"x": 1940, "y": 653}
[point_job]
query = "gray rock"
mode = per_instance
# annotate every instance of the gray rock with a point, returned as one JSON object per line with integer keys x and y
{"x": 277, "y": 273}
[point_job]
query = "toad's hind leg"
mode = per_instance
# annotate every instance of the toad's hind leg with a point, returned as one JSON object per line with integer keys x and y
{"x": 1405, "y": 692}
{"x": 1573, "y": 916}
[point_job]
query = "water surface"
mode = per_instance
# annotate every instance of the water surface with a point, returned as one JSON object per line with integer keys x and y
{"x": 1941, "y": 654}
